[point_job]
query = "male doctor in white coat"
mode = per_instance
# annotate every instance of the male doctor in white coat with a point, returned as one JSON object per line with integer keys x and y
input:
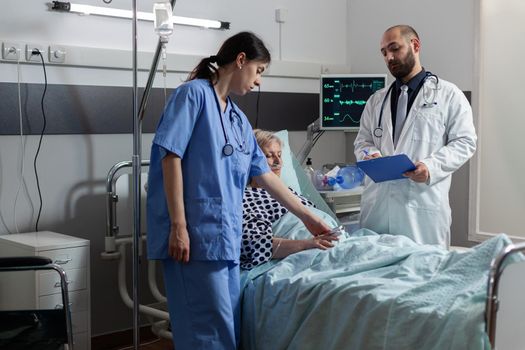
{"x": 429, "y": 120}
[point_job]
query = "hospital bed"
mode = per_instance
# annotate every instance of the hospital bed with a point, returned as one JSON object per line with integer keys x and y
{"x": 369, "y": 292}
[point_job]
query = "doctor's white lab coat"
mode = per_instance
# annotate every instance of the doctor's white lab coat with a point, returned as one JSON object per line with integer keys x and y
{"x": 442, "y": 136}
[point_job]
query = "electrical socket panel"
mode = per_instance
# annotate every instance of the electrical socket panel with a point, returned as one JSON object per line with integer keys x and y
{"x": 10, "y": 51}
{"x": 29, "y": 52}
{"x": 57, "y": 54}
{"x": 13, "y": 51}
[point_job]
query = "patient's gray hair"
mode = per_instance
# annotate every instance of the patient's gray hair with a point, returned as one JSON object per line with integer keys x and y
{"x": 264, "y": 137}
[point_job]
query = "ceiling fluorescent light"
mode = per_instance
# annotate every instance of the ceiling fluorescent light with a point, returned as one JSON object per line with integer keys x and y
{"x": 143, "y": 16}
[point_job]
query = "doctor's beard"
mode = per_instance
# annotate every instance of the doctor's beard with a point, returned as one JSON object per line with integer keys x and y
{"x": 403, "y": 67}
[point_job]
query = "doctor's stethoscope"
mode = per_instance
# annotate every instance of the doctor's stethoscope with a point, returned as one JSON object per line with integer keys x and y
{"x": 428, "y": 103}
{"x": 235, "y": 118}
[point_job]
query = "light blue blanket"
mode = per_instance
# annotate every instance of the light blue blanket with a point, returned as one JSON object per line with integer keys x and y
{"x": 369, "y": 292}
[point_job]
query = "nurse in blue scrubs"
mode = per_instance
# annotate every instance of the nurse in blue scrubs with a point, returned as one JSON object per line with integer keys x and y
{"x": 202, "y": 156}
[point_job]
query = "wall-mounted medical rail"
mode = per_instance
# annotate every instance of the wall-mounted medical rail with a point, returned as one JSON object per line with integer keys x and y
{"x": 496, "y": 270}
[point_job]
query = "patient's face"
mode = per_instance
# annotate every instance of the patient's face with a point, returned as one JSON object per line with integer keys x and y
{"x": 273, "y": 153}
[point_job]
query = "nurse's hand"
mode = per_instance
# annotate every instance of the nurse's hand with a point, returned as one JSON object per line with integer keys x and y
{"x": 179, "y": 244}
{"x": 315, "y": 225}
{"x": 420, "y": 174}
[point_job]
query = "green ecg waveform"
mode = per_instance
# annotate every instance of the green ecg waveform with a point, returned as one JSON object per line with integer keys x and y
{"x": 352, "y": 102}
{"x": 374, "y": 85}
{"x": 349, "y": 117}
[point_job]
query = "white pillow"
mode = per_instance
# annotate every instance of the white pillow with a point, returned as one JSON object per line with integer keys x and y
{"x": 288, "y": 174}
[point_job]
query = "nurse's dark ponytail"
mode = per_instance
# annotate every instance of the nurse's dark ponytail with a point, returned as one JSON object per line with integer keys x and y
{"x": 246, "y": 42}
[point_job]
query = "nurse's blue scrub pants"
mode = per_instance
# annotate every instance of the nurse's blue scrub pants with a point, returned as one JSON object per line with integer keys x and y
{"x": 204, "y": 304}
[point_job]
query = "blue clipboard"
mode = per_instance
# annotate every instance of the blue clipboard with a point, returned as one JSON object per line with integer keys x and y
{"x": 386, "y": 168}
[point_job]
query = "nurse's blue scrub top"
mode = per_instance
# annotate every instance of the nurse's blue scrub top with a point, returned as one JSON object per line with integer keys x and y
{"x": 190, "y": 127}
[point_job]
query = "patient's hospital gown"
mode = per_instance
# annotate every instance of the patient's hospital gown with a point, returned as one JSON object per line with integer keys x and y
{"x": 260, "y": 211}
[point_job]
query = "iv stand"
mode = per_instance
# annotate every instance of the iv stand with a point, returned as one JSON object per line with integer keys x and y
{"x": 136, "y": 166}
{"x": 136, "y": 186}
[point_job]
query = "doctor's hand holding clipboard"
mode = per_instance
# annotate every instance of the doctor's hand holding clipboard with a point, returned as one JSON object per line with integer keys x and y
{"x": 419, "y": 174}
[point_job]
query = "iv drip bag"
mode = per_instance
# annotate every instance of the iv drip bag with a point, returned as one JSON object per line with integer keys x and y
{"x": 163, "y": 21}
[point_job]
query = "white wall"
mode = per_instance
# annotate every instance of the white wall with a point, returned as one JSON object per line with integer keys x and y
{"x": 498, "y": 191}
{"x": 73, "y": 168}
{"x": 446, "y": 29}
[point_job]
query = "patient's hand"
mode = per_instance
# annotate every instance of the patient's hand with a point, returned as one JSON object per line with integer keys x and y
{"x": 283, "y": 247}
{"x": 323, "y": 242}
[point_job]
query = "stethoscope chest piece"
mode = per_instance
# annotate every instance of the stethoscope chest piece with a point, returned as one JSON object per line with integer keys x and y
{"x": 227, "y": 150}
{"x": 378, "y": 132}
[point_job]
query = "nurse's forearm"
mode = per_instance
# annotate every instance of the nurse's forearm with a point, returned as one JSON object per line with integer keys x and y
{"x": 274, "y": 185}
{"x": 172, "y": 174}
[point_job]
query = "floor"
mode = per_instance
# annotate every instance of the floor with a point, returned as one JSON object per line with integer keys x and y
{"x": 124, "y": 341}
{"x": 158, "y": 344}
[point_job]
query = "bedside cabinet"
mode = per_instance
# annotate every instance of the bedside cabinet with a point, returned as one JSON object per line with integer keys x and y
{"x": 343, "y": 201}
{"x": 41, "y": 289}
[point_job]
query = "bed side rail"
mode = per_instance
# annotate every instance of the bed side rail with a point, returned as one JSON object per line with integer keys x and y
{"x": 112, "y": 227}
{"x": 496, "y": 269}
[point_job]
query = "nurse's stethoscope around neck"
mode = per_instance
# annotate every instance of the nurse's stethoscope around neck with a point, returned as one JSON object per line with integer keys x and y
{"x": 228, "y": 149}
{"x": 428, "y": 102}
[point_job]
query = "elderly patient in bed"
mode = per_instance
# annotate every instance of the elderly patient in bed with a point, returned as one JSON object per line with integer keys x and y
{"x": 260, "y": 211}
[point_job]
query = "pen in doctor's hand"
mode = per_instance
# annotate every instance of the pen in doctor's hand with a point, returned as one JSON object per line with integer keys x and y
{"x": 368, "y": 156}
{"x": 366, "y": 152}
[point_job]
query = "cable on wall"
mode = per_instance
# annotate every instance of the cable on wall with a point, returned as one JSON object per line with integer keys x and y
{"x": 317, "y": 137}
{"x": 280, "y": 41}
{"x": 37, "y": 52}
{"x": 2, "y": 220}
{"x": 22, "y": 151}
